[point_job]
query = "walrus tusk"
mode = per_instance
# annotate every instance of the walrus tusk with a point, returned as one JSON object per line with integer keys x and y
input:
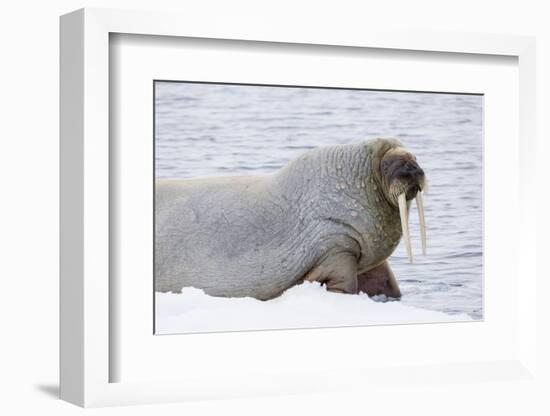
{"x": 405, "y": 224}
{"x": 420, "y": 206}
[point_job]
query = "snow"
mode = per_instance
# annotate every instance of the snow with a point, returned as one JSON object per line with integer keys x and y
{"x": 304, "y": 306}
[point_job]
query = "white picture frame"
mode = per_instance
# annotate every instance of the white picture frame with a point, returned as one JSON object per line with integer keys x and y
{"x": 86, "y": 356}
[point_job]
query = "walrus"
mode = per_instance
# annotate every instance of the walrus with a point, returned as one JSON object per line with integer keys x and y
{"x": 333, "y": 215}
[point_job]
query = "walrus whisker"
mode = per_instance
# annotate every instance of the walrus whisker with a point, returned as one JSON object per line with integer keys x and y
{"x": 405, "y": 224}
{"x": 422, "y": 219}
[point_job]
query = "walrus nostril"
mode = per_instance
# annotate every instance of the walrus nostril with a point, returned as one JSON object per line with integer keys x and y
{"x": 409, "y": 171}
{"x": 414, "y": 170}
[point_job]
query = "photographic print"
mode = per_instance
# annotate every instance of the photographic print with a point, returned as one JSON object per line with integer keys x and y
{"x": 282, "y": 207}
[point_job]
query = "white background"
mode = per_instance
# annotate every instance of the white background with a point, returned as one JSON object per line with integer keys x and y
{"x": 28, "y": 217}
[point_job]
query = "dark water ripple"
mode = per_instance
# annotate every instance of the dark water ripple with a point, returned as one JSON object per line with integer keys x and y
{"x": 205, "y": 130}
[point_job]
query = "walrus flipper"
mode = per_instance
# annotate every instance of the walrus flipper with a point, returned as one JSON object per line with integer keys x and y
{"x": 379, "y": 281}
{"x": 339, "y": 274}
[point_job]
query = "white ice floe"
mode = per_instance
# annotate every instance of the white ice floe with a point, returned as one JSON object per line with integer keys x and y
{"x": 304, "y": 306}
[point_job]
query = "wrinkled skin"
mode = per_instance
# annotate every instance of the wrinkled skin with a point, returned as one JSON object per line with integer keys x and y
{"x": 330, "y": 216}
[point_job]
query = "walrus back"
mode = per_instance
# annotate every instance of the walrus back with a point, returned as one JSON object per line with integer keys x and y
{"x": 216, "y": 234}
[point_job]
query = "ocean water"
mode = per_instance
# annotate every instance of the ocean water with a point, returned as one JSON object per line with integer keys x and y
{"x": 213, "y": 129}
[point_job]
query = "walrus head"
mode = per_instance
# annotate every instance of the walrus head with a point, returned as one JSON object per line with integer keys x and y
{"x": 403, "y": 180}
